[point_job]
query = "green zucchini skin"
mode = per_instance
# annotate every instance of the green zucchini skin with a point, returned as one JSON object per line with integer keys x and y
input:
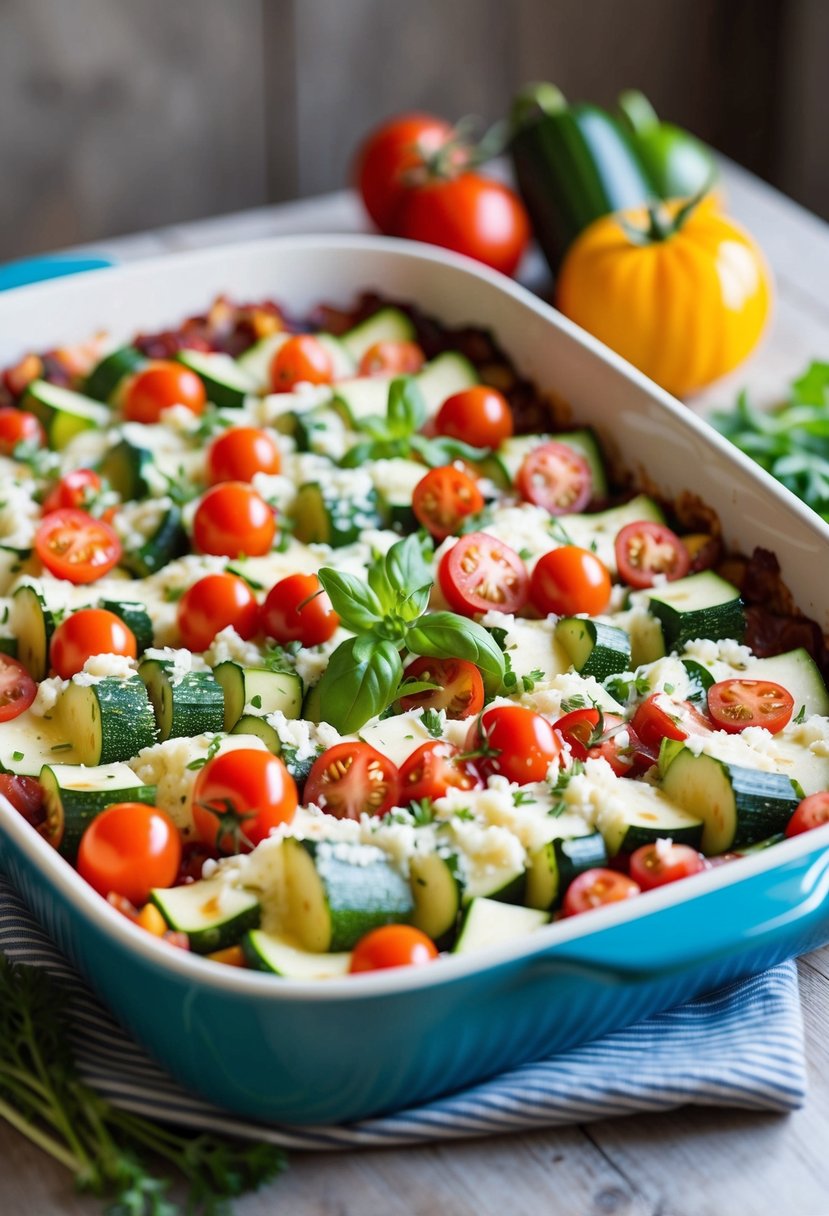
{"x": 168, "y": 542}
{"x": 109, "y": 720}
{"x": 552, "y": 868}
{"x": 322, "y": 516}
{"x": 191, "y": 705}
{"x": 437, "y": 890}
{"x": 126, "y": 466}
{"x": 194, "y": 910}
{"x": 33, "y": 624}
{"x": 106, "y": 377}
{"x": 573, "y": 164}
{"x": 593, "y": 648}
{"x": 136, "y": 618}
{"x": 698, "y": 606}
{"x": 69, "y": 811}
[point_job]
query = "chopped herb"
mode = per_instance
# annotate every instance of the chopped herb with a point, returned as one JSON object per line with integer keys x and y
{"x": 529, "y": 681}
{"x": 433, "y": 722}
{"x": 212, "y": 749}
{"x": 525, "y": 554}
{"x": 627, "y": 687}
{"x": 422, "y": 812}
{"x": 61, "y": 747}
{"x": 558, "y": 787}
{"x": 800, "y": 715}
{"x": 521, "y": 798}
{"x": 251, "y": 582}
{"x": 463, "y": 813}
{"x": 256, "y": 701}
{"x": 670, "y": 688}
{"x": 5, "y": 614}
{"x": 559, "y": 532}
{"x": 577, "y": 701}
{"x": 17, "y": 755}
{"x": 173, "y": 594}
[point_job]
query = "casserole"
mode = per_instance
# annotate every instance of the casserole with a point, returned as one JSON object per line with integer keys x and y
{"x": 303, "y": 1052}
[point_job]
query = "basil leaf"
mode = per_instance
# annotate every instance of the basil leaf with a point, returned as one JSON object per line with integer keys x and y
{"x": 445, "y": 635}
{"x": 406, "y": 411}
{"x": 361, "y": 679}
{"x": 353, "y": 600}
{"x": 415, "y": 604}
{"x": 357, "y": 456}
{"x": 404, "y": 566}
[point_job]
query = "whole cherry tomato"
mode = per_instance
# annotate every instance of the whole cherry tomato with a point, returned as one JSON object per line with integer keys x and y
{"x": 301, "y": 360}
{"x": 595, "y": 888}
{"x": 232, "y": 520}
{"x": 19, "y": 426}
{"x": 392, "y": 358}
{"x": 87, "y": 632}
{"x": 159, "y": 386}
{"x": 128, "y": 849}
{"x": 514, "y": 742}
{"x": 569, "y": 580}
{"x": 241, "y": 452}
{"x": 239, "y": 797}
{"x": 813, "y": 812}
{"x": 479, "y": 415}
{"x": 212, "y": 604}
{"x": 392, "y": 946}
{"x": 297, "y": 609}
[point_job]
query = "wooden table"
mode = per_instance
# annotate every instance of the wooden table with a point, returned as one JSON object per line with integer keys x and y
{"x": 693, "y": 1162}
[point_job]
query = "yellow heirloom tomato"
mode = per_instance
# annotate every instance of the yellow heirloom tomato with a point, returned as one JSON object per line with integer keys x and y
{"x": 678, "y": 289}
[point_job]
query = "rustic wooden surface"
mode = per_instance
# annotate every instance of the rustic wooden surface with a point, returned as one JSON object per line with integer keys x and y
{"x": 692, "y": 1162}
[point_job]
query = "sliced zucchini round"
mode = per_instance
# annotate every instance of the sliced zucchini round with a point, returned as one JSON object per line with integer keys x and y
{"x": 108, "y": 720}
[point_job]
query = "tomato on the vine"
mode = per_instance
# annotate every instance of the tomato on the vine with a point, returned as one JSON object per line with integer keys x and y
{"x": 17, "y": 688}
{"x": 392, "y": 946}
{"x": 297, "y": 609}
{"x": 353, "y": 779}
{"x": 128, "y": 849}
{"x": 435, "y": 767}
{"x": 459, "y": 687}
{"x": 812, "y": 812}
{"x": 655, "y": 865}
{"x": 233, "y": 520}
{"x": 595, "y": 888}
{"x": 239, "y": 797}
{"x": 737, "y": 704}
{"x": 18, "y": 426}
{"x": 444, "y": 498}
{"x": 645, "y": 550}
{"x": 392, "y": 358}
{"x": 302, "y": 359}
{"x": 213, "y": 603}
{"x": 514, "y": 742}
{"x": 555, "y": 477}
{"x": 85, "y": 633}
{"x": 158, "y": 387}
{"x": 391, "y": 157}
{"x": 74, "y": 489}
{"x": 479, "y": 415}
{"x": 74, "y": 546}
{"x": 570, "y": 580}
{"x": 480, "y": 572}
{"x": 241, "y": 452}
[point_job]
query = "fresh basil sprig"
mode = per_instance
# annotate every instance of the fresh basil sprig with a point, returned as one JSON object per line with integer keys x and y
{"x": 388, "y": 613}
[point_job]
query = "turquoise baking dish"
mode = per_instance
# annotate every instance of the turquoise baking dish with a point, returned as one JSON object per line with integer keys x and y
{"x": 287, "y": 1051}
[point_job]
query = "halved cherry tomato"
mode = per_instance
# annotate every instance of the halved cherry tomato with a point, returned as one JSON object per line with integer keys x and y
{"x": 556, "y": 478}
{"x": 435, "y": 767}
{"x": 658, "y": 718}
{"x": 297, "y": 609}
{"x": 569, "y": 580}
{"x": 479, "y": 573}
{"x": 391, "y": 154}
{"x": 514, "y": 742}
{"x": 392, "y": 946}
{"x": 239, "y": 797}
{"x": 212, "y": 604}
{"x": 241, "y": 452}
{"x": 459, "y": 687}
{"x": 302, "y": 359}
{"x": 813, "y": 812}
{"x": 160, "y": 386}
{"x": 18, "y": 426}
{"x": 74, "y": 546}
{"x": 578, "y": 730}
{"x": 595, "y": 888}
{"x": 622, "y": 748}
{"x": 232, "y": 520}
{"x": 129, "y": 849}
{"x": 353, "y": 779}
{"x": 74, "y": 489}
{"x": 655, "y": 865}
{"x": 479, "y": 415}
{"x": 606, "y": 736}
{"x": 736, "y": 704}
{"x": 17, "y": 688}
{"x": 87, "y": 632}
{"x": 646, "y": 549}
{"x": 26, "y": 796}
{"x": 194, "y": 853}
{"x": 444, "y": 498}
{"x": 392, "y": 359}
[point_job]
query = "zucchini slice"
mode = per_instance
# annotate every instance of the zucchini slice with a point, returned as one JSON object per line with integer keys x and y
{"x": 598, "y": 531}
{"x": 267, "y": 952}
{"x": 33, "y": 624}
{"x": 126, "y": 467}
{"x": 110, "y": 719}
{"x": 648, "y": 814}
{"x": 212, "y": 915}
{"x": 73, "y": 795}
{"x": 738, "y": 806}
{"x": 226, "y": 382}
{"x": 168, "y": 541}
{"x": 487, "y": 923}
{"x": 258, "y": 687}
{"x": 386, "y": 325}
{"x": 322, "y": 515}
{"x": 699, "y": 606}
{"x": 106, "y": 377}
{"x": 184, "y": 706}
{"x": 594, "y": 649}
{"x": 437, "y": 890}
{"x": 262, "y": 728}
{"x": 506, "y": 884}
{"x": 552, "y": 868}
{"x": 136, "y": 617}
{"x": 63, "y": 413}
{"x": 335, "y": 893}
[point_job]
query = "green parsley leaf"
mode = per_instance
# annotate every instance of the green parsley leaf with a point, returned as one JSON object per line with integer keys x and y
{"x": 800, "y": 716}
{"x": 433, "y": 722}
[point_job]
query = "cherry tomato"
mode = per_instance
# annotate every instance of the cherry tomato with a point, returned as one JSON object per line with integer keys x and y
{"x": 213, "y": 603}
{"x": 570, "y": 580}
{"x": 595, "y": 888}
{"x": 19, "y": 426}
{"x": 301, "y": 360}
{"x": 515, "y": 743}
{"x": 444, "y": 498}
{"x": 556, "y": 478}
{"x": 74, "y": 489}
{"x": 129, "y": 849}
{"x": 17, "y": 688}
{"x": 736, "y": 704}
{"x": 479, "y": 415}
{"x": 74, "y": 546}
{"x": 813, "y": 812}
{"x": 655, "y": 865}
{"x": 622, "y": 748}
{"x": 160, "y": 386}
{"x": 353, "y": 779}
{"x": 194, "y": 853}
{"x": 480, "y": 572}
{"x": 579, "y": 729}
{"x": 386, "y": 161}
{"x": 392, "y": 359}
{"x": 433, "y": 768}
{"x": 470, "y": 214}
{"x": 240, "y": 453}
{"x": 233, "y": 520}
{"x": 298, "y": 610}
{"x": 658, "y": 718}
{"x": 26, "y": 796}
{"x": 459, "y": 687}
{"x": 239, "y": 797}
{"x": 87, "y": 632}
{"x": 645, "y": 550}
{"x": 392, "y": 946}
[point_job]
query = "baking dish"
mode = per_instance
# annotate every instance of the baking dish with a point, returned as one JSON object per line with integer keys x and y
{"x": 350, "y": 1048}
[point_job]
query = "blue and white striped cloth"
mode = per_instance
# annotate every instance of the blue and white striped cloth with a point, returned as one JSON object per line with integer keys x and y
{"x": 740, "y": 1047}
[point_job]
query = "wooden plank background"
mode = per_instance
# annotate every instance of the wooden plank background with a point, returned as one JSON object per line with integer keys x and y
{"x": 117, "y": 115}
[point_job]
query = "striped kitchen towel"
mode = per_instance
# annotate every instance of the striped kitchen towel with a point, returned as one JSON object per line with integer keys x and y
{"x": 741, "y": 1046}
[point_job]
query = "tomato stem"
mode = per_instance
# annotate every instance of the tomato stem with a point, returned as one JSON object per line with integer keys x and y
{"x": 661, "y": 225}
